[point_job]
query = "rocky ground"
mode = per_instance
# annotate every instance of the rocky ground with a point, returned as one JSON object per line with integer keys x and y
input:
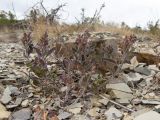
{"x": 135, "y": 97}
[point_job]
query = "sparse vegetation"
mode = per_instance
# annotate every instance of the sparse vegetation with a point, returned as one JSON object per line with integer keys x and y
{"x": 84, "y": 59}
{"x": 85, "y": 70}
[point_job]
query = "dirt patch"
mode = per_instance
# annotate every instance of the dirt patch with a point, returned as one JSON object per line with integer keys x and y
{"x": 10, "y": 37}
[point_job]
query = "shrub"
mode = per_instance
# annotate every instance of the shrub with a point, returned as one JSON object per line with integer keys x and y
{"x": 85, "y": 59}
{"x": 154, "y": 27}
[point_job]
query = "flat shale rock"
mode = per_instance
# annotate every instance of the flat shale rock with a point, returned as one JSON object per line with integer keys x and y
{"x": 6, "y": 98}
{"x": 121, "y": 97}
{"x": 23, "y": 114}
{"x": 150, "y": 102}
{"x": 119, "y": 87}
{"x": 151, "y": 115}
{"x": 113, "y": 114}
{"x": 133, "y": 78}
{"x": 121, "y": 92}
{"x": 64, "y": 115}
{"x": 75, "y": 108}
{"x": 143, "y": 70}
{"x": 80, "y": 117}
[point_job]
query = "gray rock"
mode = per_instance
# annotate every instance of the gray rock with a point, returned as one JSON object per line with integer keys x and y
{"x": 133, "y": 78}
{"x": 121, "y": 92}
{"x": 115, "y": 94}
{"x": 151, "y": 115}
{"x": 119, "y": 87}
{"x": 18, "y": 101}
{"x": 14, "y": 90}
{"x": 143, "y": 70}
{"x": 80, "y": 117}
{"x": 23, "y": 114}
{"x": 113, "y": 114}
{"x": 64, "y": 115}
{"x": 10, "y": 90}
{"x": 6, "y": 98}
{"x": 150, "y": 102}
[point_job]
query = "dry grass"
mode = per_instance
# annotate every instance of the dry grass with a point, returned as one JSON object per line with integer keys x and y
{"x": 57, "y": 29}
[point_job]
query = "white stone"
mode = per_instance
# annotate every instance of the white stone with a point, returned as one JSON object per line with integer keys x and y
{"x": 25, "y": 103}
{"x": 113, "y": 114}
{"x": 151, "y": 115}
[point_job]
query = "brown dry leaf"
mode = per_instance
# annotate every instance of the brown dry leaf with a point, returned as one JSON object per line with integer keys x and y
{"x": 45, "y": 113}
{"x": 54, "y": 118}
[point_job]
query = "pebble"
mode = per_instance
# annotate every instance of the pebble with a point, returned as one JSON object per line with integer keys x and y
{"x": 25, "y": 103}
{"x": 113, "y": 114}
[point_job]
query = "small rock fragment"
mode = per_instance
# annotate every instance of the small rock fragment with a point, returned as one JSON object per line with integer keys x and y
{"x": 11, "y": 106}
{"x": 25, "y": 103}
{"x": 6, "y": 98}
{"x": 133, "y": 77}
{"x": 119, "y": 86}
{"x": 103, "y": 101}
{"x": 75, "y": 108}
{"x": 121, "y": 97}
{"x": 18, "y": 101}
{"x": 64, "y": 115}
{"x": 30, "y": 95}
{"x": 94, "y": 112}
{"x": 153, "y": 67}
{"x": 80, "y": 117}
{"x": 75, "y": 105}
{"x": 134, "y": 62}
{"x": 127, "y": 66}
{"x": 113, "y": 114}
